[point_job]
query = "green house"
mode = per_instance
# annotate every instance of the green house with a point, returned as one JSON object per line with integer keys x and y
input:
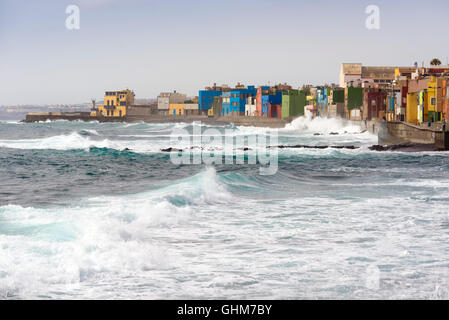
{"x": 293, "y": 103}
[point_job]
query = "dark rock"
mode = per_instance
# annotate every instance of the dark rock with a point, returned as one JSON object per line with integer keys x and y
{"x": 313, "y": 147}
{"x": 333, "y": 133}
{"x": 345, "y": 147}
{"x": 405, "y": 147}
{"x": 171, "y": 150}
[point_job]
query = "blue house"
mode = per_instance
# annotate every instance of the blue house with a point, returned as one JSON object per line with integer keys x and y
{"x": 206, "y": 98}
{"x": 268, "y": 100}
{"x": 235, "y": 100}
{"x": 226, "y": 103}
{"x": 321, "y": 100}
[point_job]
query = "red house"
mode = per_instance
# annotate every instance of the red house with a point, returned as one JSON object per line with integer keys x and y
{"x": 374, "y": 101}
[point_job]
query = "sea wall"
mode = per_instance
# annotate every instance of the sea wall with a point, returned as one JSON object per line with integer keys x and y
{"x": 401, "y": 132}
{"x": 372, "y": 126}
{"x": 71, "y": 116}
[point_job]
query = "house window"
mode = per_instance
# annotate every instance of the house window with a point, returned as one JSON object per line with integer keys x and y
{"x": 433, "y": 101}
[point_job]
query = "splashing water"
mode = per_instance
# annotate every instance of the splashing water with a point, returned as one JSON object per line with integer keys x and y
{"x": 81, "y": 217}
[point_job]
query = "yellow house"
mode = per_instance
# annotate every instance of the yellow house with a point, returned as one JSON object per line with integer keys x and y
{"x": 435, "y": 98}
{"x": 423, "y": 106}
{"x": 176, "y": 109}
{"x": 412, "y": 108}
{"x": 116, "y": 103}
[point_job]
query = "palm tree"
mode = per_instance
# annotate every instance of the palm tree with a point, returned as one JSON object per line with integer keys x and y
{"x": 435, "y": 62}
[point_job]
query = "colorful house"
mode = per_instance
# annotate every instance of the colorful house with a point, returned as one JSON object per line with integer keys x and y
{"x": 236, "y": 100}
{"x": 423, "y": 106}
{"x": 176, "y": 109}
{"x": 116, "y": 103}
{"x": 402, "y": 100}
{"x": 338, "y": 96}
{"x": 206, "y": 98}
{"x": 411, "y": 114}
{"x": 322, "y": 99}
{"x": 262, "y": 90}
{"x": 373, "y": 104}
{"x": 435, "y": 99}
{"x": 293, "y": 103}
{"x": 354, "y": 102}
{"x": 272, "y": 104}
{"x": 417, "y": 98}
{"x": 226, "y": 103}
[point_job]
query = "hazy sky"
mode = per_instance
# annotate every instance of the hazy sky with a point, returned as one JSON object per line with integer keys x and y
{"x": 160, "y": 45}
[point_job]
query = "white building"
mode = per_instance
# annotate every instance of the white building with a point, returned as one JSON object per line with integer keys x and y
{"x": 251, "y": 107}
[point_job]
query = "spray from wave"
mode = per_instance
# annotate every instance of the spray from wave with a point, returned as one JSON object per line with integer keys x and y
{"x": 74, "y": 140}
{"x": 62, "y": 248}
{"x": 322, "y": 125}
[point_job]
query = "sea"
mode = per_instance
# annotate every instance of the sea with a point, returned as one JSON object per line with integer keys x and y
{"x": 94, "y": 210}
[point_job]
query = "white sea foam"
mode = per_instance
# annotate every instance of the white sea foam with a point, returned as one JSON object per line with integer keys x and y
{"x": 61, "y": 248}
{"x": 60, "y": 142}
{"x": 322, "y": 125}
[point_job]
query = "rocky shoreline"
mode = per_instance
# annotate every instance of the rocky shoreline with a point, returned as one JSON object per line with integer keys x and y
{"x": 405, "y": 147}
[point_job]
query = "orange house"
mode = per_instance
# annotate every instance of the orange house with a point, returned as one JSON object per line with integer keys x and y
{"x": 176, "y": 109}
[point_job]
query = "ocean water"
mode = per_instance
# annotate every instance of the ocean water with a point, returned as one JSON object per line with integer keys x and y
{"x": 96, "y": 210}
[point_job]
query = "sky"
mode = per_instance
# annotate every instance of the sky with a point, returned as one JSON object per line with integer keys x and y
{"x": 156, "y": 46}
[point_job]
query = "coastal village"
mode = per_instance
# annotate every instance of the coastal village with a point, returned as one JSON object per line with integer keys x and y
{"x": 416, "y": 96}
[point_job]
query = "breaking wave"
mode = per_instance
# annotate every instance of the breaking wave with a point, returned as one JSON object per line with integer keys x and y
{"x": 62, "y": 142}
{"x": 322, "y": 125}
{"x": 60, "y": 248}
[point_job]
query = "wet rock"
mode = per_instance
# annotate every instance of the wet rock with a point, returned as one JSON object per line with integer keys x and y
{"x": 317, "y": 134}
{"x": 333, "y": 133}
{"x": 405, "y": 147}
{"x": 345, "y": 147}
{"x": 313, "y": 147}
{"x": 171, "y": 150}
{"x": 378, "y": 148}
